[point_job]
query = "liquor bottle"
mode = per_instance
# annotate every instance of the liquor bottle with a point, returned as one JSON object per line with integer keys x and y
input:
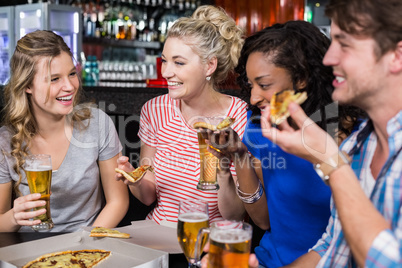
{"x": 142, "y": 27}
{"x": 153, "y": 34}
{"x": 131, "y": 30}
{"x": 105, "y": 23}
{"x": 87, "y": 73}
{"x": 94, "y": 71}
{"x": 121, "y": 27}
{"x": 112, "y": 31}
{"x": 100, "y": 16}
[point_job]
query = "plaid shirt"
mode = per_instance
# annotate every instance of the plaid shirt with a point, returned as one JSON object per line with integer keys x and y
{"x": 386, "y": 250}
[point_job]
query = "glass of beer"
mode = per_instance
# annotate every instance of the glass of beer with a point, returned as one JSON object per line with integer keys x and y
{"x": 208, "y": 162}
{"x": 38, "y": 169}
{"x": 193, "y": 215}
{"x": 229, "y": 244}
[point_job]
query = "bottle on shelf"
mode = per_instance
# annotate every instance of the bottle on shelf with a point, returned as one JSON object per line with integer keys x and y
{"x": 100, "y": 16}
{"x": 121, "y": 26}
{"x": 90, "y": 72}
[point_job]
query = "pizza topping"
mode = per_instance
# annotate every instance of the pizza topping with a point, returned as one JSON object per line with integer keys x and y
{"x": 105, "y": 232}
{"x": 279, "y": 104}
{"x": 225, "y": 123}
{"x": 135, "y": 175}
{"x": 75, "y": 259}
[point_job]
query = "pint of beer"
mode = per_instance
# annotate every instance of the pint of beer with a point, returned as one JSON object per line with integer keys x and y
{"x": 229, "y": 244}
{"x": 38, "y": 169}
{"x": 193, "y": 216}
{"x": 187, "y": 230}
{"x": 208, "y": 162}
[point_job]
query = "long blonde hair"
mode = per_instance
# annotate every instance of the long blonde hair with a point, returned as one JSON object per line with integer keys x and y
{"x": 18, "y": 116}
{"x": 211, "y": 32}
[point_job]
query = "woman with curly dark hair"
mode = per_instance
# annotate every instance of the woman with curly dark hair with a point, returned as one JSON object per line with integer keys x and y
{"x": 282, "y": 193}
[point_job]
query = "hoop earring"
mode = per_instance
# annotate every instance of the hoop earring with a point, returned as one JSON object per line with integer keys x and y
{"x": 208, "y": 78}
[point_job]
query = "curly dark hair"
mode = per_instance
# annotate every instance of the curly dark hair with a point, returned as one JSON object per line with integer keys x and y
{"x": 299, "y": 48}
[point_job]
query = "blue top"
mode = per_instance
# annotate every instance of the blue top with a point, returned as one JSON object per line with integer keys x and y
{"x": 298, "y": 201}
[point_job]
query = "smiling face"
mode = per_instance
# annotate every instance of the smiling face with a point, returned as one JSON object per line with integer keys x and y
{"x": 359, "y": 74}
{"x": 183, "y": 70}
{"x": 53, "y": 89}
{"x": 265, "y": 79}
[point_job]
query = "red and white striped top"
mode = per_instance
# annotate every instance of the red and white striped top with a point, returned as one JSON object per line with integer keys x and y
{"x": 177, "y": 159}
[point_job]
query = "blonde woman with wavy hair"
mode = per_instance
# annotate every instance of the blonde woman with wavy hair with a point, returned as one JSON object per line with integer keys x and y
{"x": 42, "y": 115}
{"x": 199, "y": 53}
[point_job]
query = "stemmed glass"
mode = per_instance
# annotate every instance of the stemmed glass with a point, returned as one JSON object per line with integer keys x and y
{"x": 193, "y": 215}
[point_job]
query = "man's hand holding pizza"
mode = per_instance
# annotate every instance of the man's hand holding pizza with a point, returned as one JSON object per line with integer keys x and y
{"x": 308, "y": 141}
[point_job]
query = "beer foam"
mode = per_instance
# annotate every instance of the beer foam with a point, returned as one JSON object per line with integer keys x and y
{"x": 38, "y": 168}
{"x": 193, "y": 217}
{"x": 230, "y": 236}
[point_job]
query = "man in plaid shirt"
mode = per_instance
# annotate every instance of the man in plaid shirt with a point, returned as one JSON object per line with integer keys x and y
{"x": 365, "y": 228}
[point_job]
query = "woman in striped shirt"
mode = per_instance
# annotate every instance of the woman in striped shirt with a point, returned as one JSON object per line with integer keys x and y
{"x": 199, "y": 53}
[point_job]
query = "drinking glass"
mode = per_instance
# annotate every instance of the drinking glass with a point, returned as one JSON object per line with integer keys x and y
{"x": 193, "y": 215}
{"x": 208, "y": 162}
{"x": 38, "y": 169}
{"x": 229, "y": 244}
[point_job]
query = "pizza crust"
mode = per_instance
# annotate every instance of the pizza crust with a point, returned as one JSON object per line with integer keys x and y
{"x": 204, "y": 125}
{"x": 106, "y": 232}
{"x": 225, "y": 123}
{"x": 135, "y": 175}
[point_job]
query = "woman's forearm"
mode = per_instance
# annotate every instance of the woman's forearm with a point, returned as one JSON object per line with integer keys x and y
{"x": 249, "y": 182}
{"x": 144, "y": 190}
{"x": 230, "y": 206}
{"x": 111, "y": 214}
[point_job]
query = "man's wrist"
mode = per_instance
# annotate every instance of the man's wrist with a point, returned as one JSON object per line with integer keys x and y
{"x": 325, "y": 168}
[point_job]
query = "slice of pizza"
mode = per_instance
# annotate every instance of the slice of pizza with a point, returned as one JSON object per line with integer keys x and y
{"x": 56, "y": 259}
{"x": 137, "y": 174}
{"x": 91, "y": 257}
{"x": 106, "y": 232}
{"x": 225, "y": 123}
{"x": 74, "y": 259}
{"x": 279, "y": 104}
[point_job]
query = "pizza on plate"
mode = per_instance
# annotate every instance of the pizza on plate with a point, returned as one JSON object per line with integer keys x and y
{"x": 279, "y": 104}
{"x": 85, "y": 258}
{"x": 106, "y": 232}
{"x": 135, "y": 175}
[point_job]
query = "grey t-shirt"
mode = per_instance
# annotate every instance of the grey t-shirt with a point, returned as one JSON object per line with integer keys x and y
{"x": 77, "y": 195}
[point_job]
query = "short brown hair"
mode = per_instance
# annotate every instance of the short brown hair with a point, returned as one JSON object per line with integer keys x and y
{"x": 379, "y": 19}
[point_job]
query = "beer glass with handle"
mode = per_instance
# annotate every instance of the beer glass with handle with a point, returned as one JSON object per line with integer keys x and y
{"x": 229, "y": 244}
{"x": 38, "y": 169}
{"x": 193, "y": 215}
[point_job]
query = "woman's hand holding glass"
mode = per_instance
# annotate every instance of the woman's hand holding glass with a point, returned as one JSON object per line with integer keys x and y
{"x": 224, "y": 144}
{"x": 23, "y": 212}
